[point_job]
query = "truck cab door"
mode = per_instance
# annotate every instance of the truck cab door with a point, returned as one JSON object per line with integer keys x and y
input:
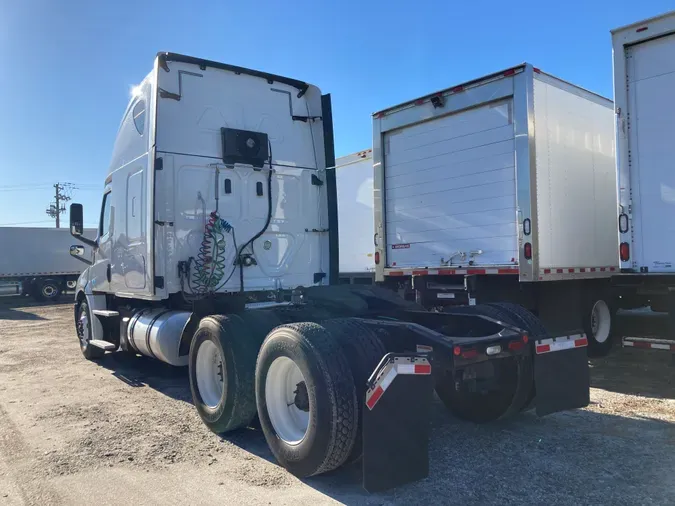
{"x": 101, "y": 269}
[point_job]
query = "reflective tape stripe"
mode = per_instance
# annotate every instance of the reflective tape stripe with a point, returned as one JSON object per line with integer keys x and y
{"x": 560, "y": 343}
{"x": 389, "y": 373}
{"x": 452, "y": 272}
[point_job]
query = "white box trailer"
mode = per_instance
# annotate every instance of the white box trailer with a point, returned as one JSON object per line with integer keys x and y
{"x": 501, "y": 189}
{"x": 354, "y": 180}
{"x": 644, "y": 95}
{"x": 39, "y": 258}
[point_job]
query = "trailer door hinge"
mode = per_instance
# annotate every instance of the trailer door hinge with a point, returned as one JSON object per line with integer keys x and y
{"x": 159, "y": 281}
{"x": 317, "y": 230}
{"x": 162, "y": 223}
{"x": 316, "y": 180}
{"x": 159, "y": 163}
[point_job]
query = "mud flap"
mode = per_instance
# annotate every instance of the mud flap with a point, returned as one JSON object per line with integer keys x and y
{"x": 396, "y": 422}
{"x": 561, "y": 374}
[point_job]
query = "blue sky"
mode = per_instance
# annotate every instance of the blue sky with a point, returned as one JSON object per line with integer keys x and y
{"x": 67, "y": 67}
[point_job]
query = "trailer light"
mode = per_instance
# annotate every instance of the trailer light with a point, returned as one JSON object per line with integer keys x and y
{"x": 493, "y": 350}
{"x": 624, "y": 251}
{"x": 515, "y": 345}
{"x": 527, "y": 250}
{"x": 527, "y": 226}
{"x": 377, "y": 258}
{"x": 457, "y": 351}
{"x": 525, "y": 339}
{"x": 623, "y": 223}
{"x": 469, "y": 354}
{"x": 509, "y": 72}
{"x": 642, "y": 29}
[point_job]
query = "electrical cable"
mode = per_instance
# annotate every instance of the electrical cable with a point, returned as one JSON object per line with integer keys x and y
{"x": 267, "y": 222}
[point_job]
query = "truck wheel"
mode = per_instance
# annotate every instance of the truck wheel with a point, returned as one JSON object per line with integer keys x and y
{"x": 521, "y": 317}
{"x": 221, "y": 371}
{"x": 516, "y": 375}
{"x": 306, "y": 399}
{"x": 598, "y": 327}
{"x": 83, "y": 328}
{"x": 363, "y": 350}
{"x": 48, "y": 290}
{"x": 482, "y": 406}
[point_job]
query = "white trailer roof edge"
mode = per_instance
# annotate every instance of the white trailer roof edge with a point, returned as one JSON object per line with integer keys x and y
{"x": 640, "y": 24}
{"x": 483, "y": 80}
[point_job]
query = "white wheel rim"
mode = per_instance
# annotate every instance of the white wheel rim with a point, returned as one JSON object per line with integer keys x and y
{"x": 71, "y": 284}
{"x": 210, "y": 372}
{"x": 601, "y": 321}
{"x": 48, "y": 290}
{"x": 289, "y": 422}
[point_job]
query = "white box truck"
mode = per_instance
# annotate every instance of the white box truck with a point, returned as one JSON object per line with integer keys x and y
{"x": 644, "y": 97}
{"x": 501, "y": 189}
{"x": 40, "y": 259}
{"x": 354, "y": 179}
{"x": 218, "y": 250}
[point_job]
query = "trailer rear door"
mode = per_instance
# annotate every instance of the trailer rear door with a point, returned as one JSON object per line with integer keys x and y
{"x": 651, "y": 142}
{"x": 450, "y": 189}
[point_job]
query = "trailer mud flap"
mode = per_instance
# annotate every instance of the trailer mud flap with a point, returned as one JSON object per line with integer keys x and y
{"x": 396, "y": 421}
{"x": 561, "y": 374}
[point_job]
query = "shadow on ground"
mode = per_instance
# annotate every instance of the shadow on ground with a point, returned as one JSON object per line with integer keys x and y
{"x": 631, "y": 371}
{"x": 526, "y": 460}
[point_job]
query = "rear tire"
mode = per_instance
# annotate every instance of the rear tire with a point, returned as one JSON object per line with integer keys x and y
{"x": 221, "y": 370}
{"x": 48, "y": 290}
{"x": 363, "y": 350}
{"x": 306, "y": 399}
{"x": 516, "y": 375}
{"x": 598, "y": 322}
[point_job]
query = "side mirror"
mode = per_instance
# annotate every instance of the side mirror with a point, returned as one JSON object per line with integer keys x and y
{"x": 76, "y": 221}
{"x": 78, "y": 252}
{"x": 77, "y": 228}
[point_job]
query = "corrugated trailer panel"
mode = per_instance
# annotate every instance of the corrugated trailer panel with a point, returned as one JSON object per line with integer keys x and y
{"x": 450, "y": 188}
{"x": 575, "y": 177}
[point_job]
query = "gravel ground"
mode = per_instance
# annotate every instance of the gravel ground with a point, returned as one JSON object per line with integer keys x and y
{"x": 124, "y": 431}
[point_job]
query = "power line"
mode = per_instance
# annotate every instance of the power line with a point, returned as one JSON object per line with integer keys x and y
{"x": 24, "y": 223}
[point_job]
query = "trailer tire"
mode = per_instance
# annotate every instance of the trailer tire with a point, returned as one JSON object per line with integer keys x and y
{"x": 516, "y": 373}
{"x": 221, "y": 371}
{"x": 323, "y": 439}
{"x": 83, "y": 329}
{"x": 598, "y": 319}
{"x": 48, "y": 290}
{"x": 363, "y": 350}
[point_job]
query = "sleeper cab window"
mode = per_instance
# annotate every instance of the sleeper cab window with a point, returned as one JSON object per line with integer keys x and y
{"x": 138, "y": 114}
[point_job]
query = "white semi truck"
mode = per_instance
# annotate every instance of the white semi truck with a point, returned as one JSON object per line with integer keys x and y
{"x": 644, "y": 96}
{"x": 218, "y": 250}
{"x": 39, "y": 260}
{"x": 501, "y": 189}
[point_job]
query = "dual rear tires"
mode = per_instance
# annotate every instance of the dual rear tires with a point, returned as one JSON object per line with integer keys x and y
{"x": 299, "y": 381}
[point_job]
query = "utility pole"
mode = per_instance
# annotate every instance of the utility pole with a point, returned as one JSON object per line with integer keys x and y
{"x": 61, "y": 195}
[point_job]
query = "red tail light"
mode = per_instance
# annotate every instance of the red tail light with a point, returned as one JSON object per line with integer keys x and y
{"x": 624, "y": 252}
{"x": 377, "y": 258}
{"x": 528, "y": 250}
{"x": 515, "y": 345}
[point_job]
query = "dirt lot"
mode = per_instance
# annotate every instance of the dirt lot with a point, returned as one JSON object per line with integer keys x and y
{"x": 124, "y": 431}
